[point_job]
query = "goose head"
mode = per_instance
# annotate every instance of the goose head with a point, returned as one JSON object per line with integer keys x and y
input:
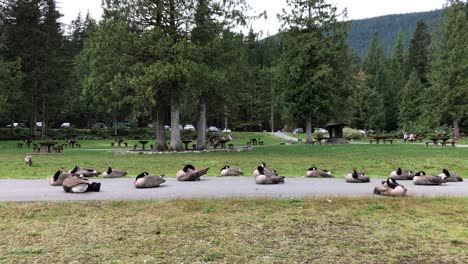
{"x": 75, "y": 170}
{"x": 420, "y": 173}
{"x": 141, "y": 175}
{"x": 355, "y": 174}
{"x": 312, "y": 168}
{"x": 263, "y": 164}
{"x": 188, "y": 167}
{"x": 260, "y": 170}
{"x": 391, "y": 182}
{"x": 225, "y": 167}
{"x": 398, "y": 171}
{"x": 446, "y": 172}
{"x": 57, "y": 174}
{"x": 109, "y": 170}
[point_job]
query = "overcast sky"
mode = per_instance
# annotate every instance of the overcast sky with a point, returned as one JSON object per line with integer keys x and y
{"x": 356, "y": 9}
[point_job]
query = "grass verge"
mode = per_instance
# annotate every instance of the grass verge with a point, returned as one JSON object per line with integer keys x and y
{"x": 413, "y": 230}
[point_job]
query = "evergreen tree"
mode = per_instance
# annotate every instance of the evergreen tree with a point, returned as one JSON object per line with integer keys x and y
{"x": 410, "y": 107}
{"x": 418, "y": 57}
{"x": 307, "y": 71}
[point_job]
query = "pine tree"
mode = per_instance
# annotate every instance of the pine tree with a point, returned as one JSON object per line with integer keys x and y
{"x": 418, "y": 57}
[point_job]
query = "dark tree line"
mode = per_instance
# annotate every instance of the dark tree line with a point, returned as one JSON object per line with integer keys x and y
{"x": 174, "y": 62}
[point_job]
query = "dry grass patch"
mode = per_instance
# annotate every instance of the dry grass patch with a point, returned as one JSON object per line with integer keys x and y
{"x": 237, "y": 230}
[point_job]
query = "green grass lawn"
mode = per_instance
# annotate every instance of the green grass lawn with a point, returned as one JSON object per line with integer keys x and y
{"x": 324, "y": 230}
{"x": 289, "y": 160}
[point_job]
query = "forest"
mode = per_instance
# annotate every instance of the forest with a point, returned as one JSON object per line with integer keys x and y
{"x": 176, "y": 62}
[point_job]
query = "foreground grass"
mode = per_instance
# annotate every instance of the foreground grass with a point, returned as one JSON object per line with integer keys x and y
{"x": 237, "y": 231}
{"x": 289, "y": 160}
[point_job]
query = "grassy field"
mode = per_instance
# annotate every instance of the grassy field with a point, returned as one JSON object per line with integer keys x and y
{"x": 289, "y": 160}
{"x": 237, "y": 231}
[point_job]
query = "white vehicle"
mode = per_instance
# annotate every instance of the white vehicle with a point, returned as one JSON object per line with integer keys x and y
{"x": 15, "y": 125}
{"x": 65, "y": 125}
{"x": 189, "y": 127}
{"x": 227, "y": 130}
{"x": 213, "y": 129}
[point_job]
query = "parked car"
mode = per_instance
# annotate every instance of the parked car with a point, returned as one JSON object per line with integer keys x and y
{"x": 298, "y": 130}
{"x": 39, "y": 124}
{"x": 323, "y": 131}
{"x": 98, "y": 125}
{"x": 212, "y": 129}
{"x": 65, "y": 125}
{"x": 227, "y": 130}
{"x": 122, "y": 124}
{"x": 189, "y": 127}
{"x": 15, "y": 125}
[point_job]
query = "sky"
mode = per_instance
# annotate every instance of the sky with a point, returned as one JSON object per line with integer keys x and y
{"x": 357, "y": 9}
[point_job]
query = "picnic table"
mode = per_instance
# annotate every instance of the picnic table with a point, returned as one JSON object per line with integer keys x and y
{"x": 28, "y": 142}
{"x": 383, "y": 138}
{"x": 186, "y": 142}
{"x": 143, "y": 143}
{"x": 46, "y": 146}
{"x": 119, "y": 141}
{"x": 254, "y": 141}
{"x": 72, "y": 143}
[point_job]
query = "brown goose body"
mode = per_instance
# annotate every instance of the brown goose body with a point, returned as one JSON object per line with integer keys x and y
{"x": 78, "y": 184}
{"x": 450, "y": 177}
{"x": 356, "y": 177}
{"x": 58, "y": 178}
{"x": 28, "y": 160}
{"x": 85, "y": 172}
{"x": 261, "y": 178}
{"x": 189, "y": 173}
{"x": 113, "y": 173}
{"x": 315, "y": 172}
{"x": 401, "y": 175}
{"x": 228, "y": 171}
{"x": 421, "y": 178}
{"x": 144, "y": 180}
{"x": 390, "y": 188}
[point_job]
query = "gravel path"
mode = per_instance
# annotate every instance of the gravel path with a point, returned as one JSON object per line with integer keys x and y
{"x": 122, "y": 189}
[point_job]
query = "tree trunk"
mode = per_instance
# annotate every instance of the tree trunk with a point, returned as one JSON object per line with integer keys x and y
{"x": 272, "y": 107}
{"x": 226, "y": 117}
{"x": 456, "y": 128}
{"x": 115, "y": 123}
{"x": 45, "y": 132}
{"x": 160, "y": 127}
{"x": 176, "y": 144}
{"x": 309, "y": 129}
{"x": 201, "y": 126}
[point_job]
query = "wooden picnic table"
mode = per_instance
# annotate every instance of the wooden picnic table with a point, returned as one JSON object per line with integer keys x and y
{"x": 186, "y": 142}
{"x": 46, "y": 146}
{"x": 143, "y": 143}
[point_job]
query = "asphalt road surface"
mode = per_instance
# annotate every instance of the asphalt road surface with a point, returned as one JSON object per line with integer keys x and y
{"x": 123, "y": 189}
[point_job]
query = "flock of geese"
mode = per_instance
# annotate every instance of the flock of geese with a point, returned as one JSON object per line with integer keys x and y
{"x": 76, "y": 180}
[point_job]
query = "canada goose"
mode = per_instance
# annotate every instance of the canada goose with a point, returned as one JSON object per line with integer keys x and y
{"x": 84, "y": 172}
{"x": 144, "y": 180}
{"x": 261, "y": 178}
{"x": 228, "y": 171}
{"x": 266, "y": 171}
{"x": 356, "y": 177}
{"x": 188, "y": 173}
{"x": 390, "y": 188}
{"x": 112, "y": 173}
{"x": 401, "y": 175}
{"x": 28, "y": 160}
{"x": 421, "y": 178}
{"x": 58, "y": 178}
{"x": 315, "y": 172}
{"x": 450, "y": 177}
{"x": 78, "y": 184}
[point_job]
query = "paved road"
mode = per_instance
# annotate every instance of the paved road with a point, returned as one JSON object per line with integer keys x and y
{"x": 122, "y": 189}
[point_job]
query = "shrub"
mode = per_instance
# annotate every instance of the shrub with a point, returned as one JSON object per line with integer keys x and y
{"x": 350, "y": 133}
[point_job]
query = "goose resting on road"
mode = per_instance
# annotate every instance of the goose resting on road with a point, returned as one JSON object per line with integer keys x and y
{"x": 144, "y": 180}
{"x": 390, "y": 188}
{"x": 58, "y": 178}
{"x": 84, "y": 172}
{"x": 112, "y": 173}
{"x": 356, "y": 177}
{"x": 401, "y": 175}
{"x": 450, "y": 177}
{"x": 78, "y": 184}
{"x": 267, "y": 179}
{"x": 188, "y": 173}
{"x": 421, "y": 178}
{"x": 228, "y": 171}
{"x": 315, "y": 172}
{"x": 266, "y": 171}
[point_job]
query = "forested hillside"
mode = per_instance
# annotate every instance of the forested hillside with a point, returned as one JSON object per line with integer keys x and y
{"x": 360, "y": 34}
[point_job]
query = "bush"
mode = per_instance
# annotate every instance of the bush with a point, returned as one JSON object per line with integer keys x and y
{"x": 350, "y": 133}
